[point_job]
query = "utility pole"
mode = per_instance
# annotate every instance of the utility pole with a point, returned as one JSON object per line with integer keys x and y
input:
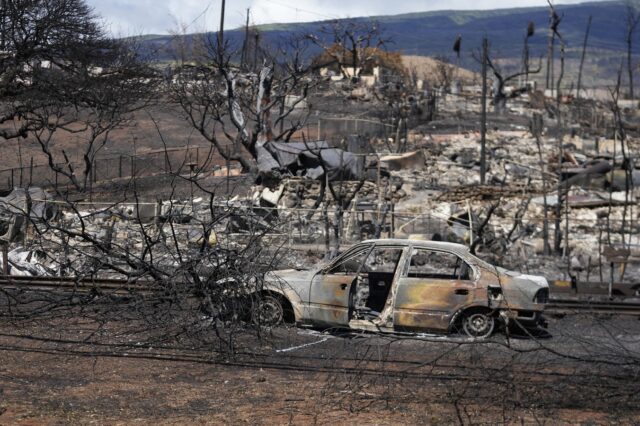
{"x": 549, "y": 76}
{"x": 245, "y": 45}
{"x": 483, "y": 114}
{"x": 221, "y": 32}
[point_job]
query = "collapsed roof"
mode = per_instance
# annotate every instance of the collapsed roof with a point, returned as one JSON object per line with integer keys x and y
{"x": 311, "y": 159}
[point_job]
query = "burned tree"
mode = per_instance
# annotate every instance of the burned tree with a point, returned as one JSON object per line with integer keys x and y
{"x": 502, "y": 79}
{"x": 563, "y": 196}
{"x": 531, "y": 30}
{"x": 500, "y": 94}
{"x": 554, "y": 22}
{"x": 37, "y": 39}
{"x": 354, "y": 46}
{"x": 60, "y": 75}
{"x": 238, "y": 111}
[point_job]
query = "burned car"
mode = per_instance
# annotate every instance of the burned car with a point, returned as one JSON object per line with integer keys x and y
{"x": 404, "y": 286}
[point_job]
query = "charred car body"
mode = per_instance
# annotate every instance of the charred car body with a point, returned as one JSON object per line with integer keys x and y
{"x": 404, "y": 285}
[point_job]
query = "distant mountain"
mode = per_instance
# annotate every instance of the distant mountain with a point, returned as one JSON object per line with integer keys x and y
{"x": 433, "y": 34}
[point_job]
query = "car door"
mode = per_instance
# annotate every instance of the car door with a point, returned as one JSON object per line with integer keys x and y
{"x": 433, "y": 286}
{"x": 329, "y": 295}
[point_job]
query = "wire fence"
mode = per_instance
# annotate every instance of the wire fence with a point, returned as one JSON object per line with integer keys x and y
{"x": 178, "y": 160}
{"x": 327, "y": 128}
{"x": 171, "y": 160}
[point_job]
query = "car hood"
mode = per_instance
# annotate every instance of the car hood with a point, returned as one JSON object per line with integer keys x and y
{"x": 298, "y": 280}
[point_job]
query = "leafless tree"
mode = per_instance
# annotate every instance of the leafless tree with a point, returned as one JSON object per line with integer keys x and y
{"x": 500, "y": 95}
{"x": 502, "y": 79}
{"x": 531, "y": 30}
{"x": 239, "y": 111}
{"x": 351, "y": 44}
{"x": 627, "y": 164}
{"x": 61, "y": 75}
{"x": 537, "y": 127}
{"x": 562, "y": 193}
{"x": 554, "y": 22}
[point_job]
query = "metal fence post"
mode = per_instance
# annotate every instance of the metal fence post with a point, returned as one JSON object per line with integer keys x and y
{"x": 393, "y": 218}
{"x": 5, "y": 259}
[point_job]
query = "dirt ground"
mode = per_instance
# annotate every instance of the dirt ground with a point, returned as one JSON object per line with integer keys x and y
{"x": 43, "y": 388}
{"x": 59, "y": 389}
{"x": 53, "y": 374}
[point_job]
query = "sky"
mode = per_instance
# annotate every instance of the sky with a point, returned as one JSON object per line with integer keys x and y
{"x": 135, "y": 17}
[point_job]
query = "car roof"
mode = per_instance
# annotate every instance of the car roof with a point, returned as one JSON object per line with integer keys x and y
{"x": 422, "y": 243}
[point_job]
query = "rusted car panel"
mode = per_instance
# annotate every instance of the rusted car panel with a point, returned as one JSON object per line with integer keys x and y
{"x": 294, "y": 286}
{"x": 430, "y": 304}
{"x": 329, "y": 299}
{"x": 524, "y": 296}
{"x": 399, "y": 285}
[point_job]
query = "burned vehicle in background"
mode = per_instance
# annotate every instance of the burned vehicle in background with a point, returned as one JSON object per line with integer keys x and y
{"x": 404, "y": 286}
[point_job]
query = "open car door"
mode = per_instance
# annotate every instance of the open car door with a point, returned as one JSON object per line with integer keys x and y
{"x": 329, "y": 296}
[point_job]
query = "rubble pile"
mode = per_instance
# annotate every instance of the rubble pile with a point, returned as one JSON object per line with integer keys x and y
{"x": 591, "y": 181}
{"x": 304, "y": 193}
{"x": 579, "y": 179}
{"x": 123, "y": 240}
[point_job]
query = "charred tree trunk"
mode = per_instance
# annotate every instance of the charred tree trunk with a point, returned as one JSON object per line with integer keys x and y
{"x": 536, "y": 129}
{"x": 483, "y": 113}
{"x": 584, "y": 52}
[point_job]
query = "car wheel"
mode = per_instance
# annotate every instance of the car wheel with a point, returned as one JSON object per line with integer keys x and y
{"x": 267, "y": 311}
{"x": 478, "y": 325}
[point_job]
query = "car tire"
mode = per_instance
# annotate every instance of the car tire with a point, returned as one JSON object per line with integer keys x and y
{"x": 478, "y": 324}
{"x": 267, "y": 311}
